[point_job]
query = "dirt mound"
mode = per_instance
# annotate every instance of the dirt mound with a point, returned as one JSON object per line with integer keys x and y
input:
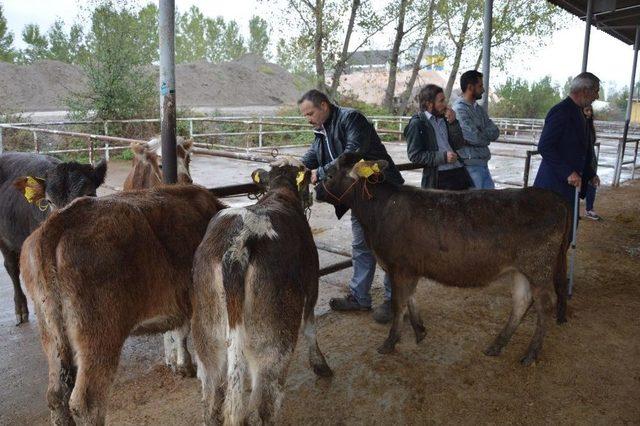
{"x": 370, "y": 85}
{"x": 41, "y": 86}
{"x": 250, "y": 80}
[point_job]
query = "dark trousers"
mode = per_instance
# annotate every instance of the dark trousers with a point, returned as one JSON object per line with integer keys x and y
{"x": 454, "y": 179}
{"x": 590, "y": 196}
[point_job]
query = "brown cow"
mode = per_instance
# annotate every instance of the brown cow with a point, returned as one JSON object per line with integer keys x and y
{"x": 105, "y": 268}
{"x": 145, "y": 171}
{"x": 255, "y": 277}
{"x": 464, "y": 239}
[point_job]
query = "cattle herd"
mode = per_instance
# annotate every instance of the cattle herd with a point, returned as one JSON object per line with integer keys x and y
{"x": 241, "y": 281}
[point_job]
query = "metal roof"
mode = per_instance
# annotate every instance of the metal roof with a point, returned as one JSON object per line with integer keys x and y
{"x": 618, "y": 18}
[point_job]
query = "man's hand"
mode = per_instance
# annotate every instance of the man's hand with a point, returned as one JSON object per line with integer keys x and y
{"x": 574, "y": 179}
{"x": 452, "y": 157}
{"x": 595, "y": 181}
{"x": 450, "y": 115}
{"x": 314, "y": 176}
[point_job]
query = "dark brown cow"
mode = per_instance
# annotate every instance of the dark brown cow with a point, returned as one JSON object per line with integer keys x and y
{"x": 255, "y": 277}
{"x": 105, "y": 268}
{"x": 145, "y": 171}
{"x": 464, "y": 239}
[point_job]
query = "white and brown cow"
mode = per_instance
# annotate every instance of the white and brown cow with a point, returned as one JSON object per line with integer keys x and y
{"x": 146, "y": 172}
{"x": 255, "y": 277}
{"x": 102, "y": 269}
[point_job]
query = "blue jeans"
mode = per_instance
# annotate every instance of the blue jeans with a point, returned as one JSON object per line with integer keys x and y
{"x": 364, "y": 267}
{"x": 480, "y": 176}
{"x": 590, "y": 196}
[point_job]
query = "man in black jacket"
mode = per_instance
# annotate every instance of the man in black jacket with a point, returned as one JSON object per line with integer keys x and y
{"x": 339, "y": 130}
{"x": 433, "y": 135}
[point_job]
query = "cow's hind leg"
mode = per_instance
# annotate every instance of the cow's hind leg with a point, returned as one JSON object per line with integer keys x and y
{"x": 97, "y": 362}
{"x": 268, "y": 377}
{"x": 176, "y": 354}
{"x": 12, "y": 265}
{"x": 416, "y": 320}
{"x": 542, "y": 303}
{"x": 62, "y": 372}
{"x": 521, "y": 294}
{"x": 402, "y": 290}
{"x": 316, "y": 358}
{"x": 211, "y": 356}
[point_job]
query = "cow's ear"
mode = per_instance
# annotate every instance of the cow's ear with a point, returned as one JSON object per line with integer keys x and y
{"x": 348, "y": 159}
{"x": 303, "y": 178}
{"x": 138, "y": 148}
{"x": 260, "y": 177}
{"x": 187, "y": 145}
{"x": 33, "y": 188}
{"x": 100, "y": 172}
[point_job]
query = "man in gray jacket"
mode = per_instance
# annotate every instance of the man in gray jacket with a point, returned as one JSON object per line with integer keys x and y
{"x": 477, "y": 128}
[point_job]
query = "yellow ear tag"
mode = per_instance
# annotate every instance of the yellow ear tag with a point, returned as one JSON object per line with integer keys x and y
{"x": 256, "y": 178}
{"x": 30, "y": 191}
{"x": 364, "y": 170}
{"x": 300, "y": 179}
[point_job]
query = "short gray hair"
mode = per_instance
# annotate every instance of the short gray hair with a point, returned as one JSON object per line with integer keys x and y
{"x": 584, "y": 81}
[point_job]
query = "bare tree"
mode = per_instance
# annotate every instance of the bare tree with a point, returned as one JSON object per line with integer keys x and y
{"x": 458, "y": 40}
{"x": 395, "y": 52}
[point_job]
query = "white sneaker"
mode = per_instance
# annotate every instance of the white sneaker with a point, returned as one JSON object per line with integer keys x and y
{"x": 590, "y": 214}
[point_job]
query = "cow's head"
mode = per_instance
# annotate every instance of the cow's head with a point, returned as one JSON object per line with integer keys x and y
{"x": 341, "y": 178}
{"x": 62, "y": 184}
{"x": 286, "y": 173}
{"x": 183, "y": 156}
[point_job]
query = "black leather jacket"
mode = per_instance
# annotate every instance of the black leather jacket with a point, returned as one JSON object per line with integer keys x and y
{"x": 422, "y": 146}
{"x": 348, "y": 131}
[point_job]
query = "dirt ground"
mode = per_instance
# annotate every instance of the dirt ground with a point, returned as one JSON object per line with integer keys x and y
{"x": 588, "y": 372}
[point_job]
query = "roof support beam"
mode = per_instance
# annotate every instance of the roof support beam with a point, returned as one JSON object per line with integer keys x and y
{"x": 486, "y": 51}
{"x": 587, "y": 35}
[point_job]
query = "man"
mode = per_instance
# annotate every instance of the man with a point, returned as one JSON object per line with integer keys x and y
{"x": 339, "y": 130}
{"x": 477, "y": 128}
{"x": 433, "y": 135}
{"x": 565, "y": 141}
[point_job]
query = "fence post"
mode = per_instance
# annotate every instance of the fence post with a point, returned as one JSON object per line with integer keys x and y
{"x": 91, "y": 153}
{"x": 1, "y": 146}
{"x": 106, "y": 145}
{"x": 260, "y": 132}
{"x": 400, "y": 130}
{"x": 190, "y": 128}
{"x": 527, "y": 166}
{"x": 36, "y": 143}
{"x": 375, "y": 124}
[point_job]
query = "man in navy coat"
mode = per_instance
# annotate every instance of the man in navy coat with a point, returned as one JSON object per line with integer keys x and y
{"x": 564, "y": 142}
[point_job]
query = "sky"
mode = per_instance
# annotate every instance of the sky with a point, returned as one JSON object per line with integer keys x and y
{"x": 609, "y": 58}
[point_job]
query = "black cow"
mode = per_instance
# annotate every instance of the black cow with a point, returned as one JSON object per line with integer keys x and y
{"x": 18, "y": 218}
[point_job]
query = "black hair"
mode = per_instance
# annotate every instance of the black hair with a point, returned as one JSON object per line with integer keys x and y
{"x": 427, "y": 94}
{"x": 316, "y": 97}
{"x": 469, "y": 77}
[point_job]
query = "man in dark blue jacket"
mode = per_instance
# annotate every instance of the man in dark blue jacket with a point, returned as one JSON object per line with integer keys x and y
{"x": 564, "y": 142}
{"x": 339, "y": 130}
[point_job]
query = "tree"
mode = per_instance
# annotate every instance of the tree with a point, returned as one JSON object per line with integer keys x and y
{"x": 147, "y": 36}
{"x": 66, "y": 48}
{"x": 191, "y": 40}
{"x": 259, "y": 36}
{"x": 415, "y": 68}
{"x": 37, "y": 44}
{"x": 118, "y": 87}
{"x": 395, "y": 52}
{"x": 7, "y": 53}
{"x": 215, "y": 29}
{"x": 518, "y": 99}
{"x": 232, "y": 41}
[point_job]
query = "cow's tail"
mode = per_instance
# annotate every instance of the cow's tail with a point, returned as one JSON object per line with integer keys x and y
{"x": 38, "y": 263}
{"x": 234, "y": 269}
{"x": 560, "y": 273}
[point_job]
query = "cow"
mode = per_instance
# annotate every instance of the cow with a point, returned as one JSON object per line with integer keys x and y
{"x": 463, "y": 239}
{"x": 146, "y": 172}
{"x": 102, "y": 269}
{"x": 18, "y": 218}
{"x": 255, "y": 277}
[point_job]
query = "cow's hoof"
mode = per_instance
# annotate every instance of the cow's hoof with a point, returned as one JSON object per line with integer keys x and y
{"x": 322, "y": 370}
{"x": 528, "y": 359}
{"x": 493, "y": 350}
{"x": 21, "y": 318}
{"x": 387, "y": 347}
{"x": 421, "y": 333}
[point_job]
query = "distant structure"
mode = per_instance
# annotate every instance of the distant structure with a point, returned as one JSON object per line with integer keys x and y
{"x": 368, "y": 60}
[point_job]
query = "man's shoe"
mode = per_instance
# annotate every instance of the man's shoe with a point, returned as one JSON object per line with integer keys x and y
{"x": 590, "y": 214}
{"x": 348, "y": 303}
{"x": 383, "y": 313}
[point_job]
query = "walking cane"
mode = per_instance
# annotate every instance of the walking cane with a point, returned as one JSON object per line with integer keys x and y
{"x": 576, "y": 207}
